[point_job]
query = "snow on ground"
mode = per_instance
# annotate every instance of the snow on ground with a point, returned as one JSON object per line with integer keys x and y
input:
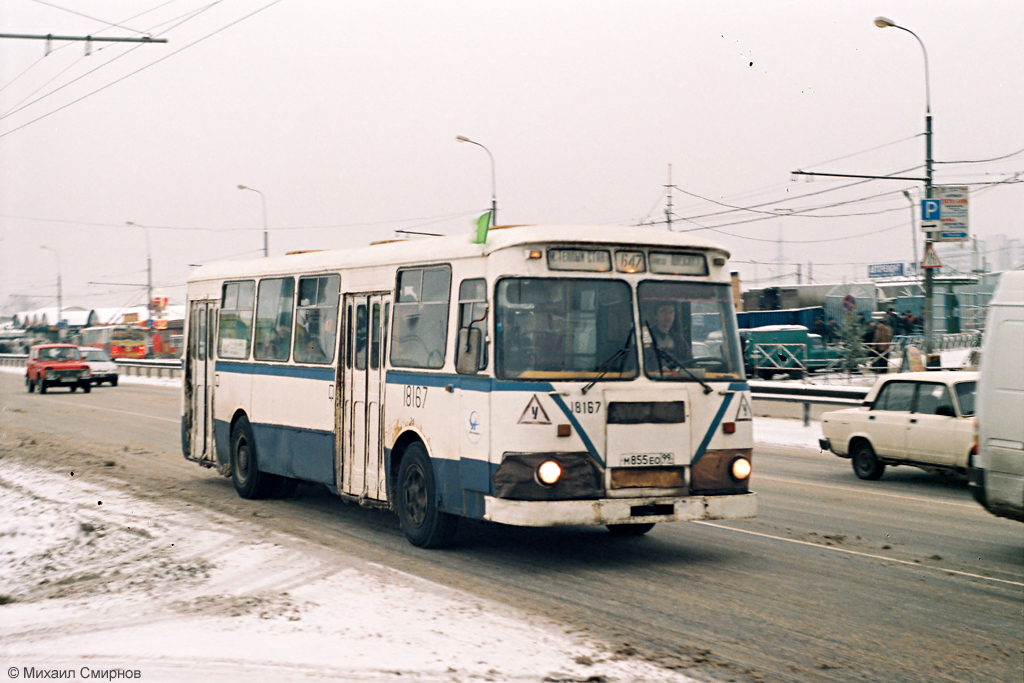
{"x": 93, "y": 578}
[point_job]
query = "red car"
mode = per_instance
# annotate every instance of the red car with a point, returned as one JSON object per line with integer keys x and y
{"x": 52, "y": 365}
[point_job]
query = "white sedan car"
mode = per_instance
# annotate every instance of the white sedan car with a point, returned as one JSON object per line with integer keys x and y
{"x": 923, "y": 419}
{"x": 103, "y": 369}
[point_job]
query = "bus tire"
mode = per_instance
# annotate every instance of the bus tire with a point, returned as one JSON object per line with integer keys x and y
{"x": 423, "y": 524}
{"x": 245, "y": 474}
{"x": 865, "y": 462}
{"x": 630, "y": 530}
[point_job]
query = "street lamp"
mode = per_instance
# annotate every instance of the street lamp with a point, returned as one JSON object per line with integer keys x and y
{"x": 494, "y": 192}
{"x": 60, "y": 296}
{"x": 929, "y": 325}
{"x": 266, "y": 243}
{"x": 149, "y": 268}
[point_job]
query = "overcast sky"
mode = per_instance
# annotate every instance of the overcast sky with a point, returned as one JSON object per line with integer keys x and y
{"x": 344, "y": 116}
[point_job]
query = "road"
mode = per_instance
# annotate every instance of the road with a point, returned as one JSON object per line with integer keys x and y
{"x": 903, "y": 579}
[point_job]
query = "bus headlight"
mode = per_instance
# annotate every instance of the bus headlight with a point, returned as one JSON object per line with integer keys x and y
{"x": 549, "y": 473}
{"x": 740, "y": 469}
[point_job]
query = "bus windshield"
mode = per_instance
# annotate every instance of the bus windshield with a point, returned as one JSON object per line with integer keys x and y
{"x": 564, "y": 328}
{"x": 688, "y": 331}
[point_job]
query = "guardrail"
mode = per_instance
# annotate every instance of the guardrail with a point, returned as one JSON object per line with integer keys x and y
{"x": 143, "y": 367}
{"x": 807, "y": 394}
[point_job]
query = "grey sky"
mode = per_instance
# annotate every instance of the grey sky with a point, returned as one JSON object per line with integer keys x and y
{"x": 344, "y": 115}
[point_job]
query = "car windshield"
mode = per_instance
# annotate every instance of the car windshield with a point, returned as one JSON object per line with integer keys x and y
{"x": 965, "y": 397}
{"x": 59, "y": 353}
{"x": 95, "y": 354}
{"x": 688, "y": 331}
{"x": 548, "y": 328}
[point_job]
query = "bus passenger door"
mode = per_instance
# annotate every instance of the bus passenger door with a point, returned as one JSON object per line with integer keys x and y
{"x": 199, "y": 421}
{"x": 362, "y": 465}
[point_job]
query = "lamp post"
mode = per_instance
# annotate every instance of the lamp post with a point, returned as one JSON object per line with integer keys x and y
{"x": 149, "y": 268}
{"x": 494, "y": 192}
{"x": 263, "y": 200}
{"x": 929, "y": 325}
{"x": 60, "y": 295}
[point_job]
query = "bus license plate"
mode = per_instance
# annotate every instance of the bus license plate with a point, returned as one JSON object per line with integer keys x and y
{"x": 647, "y": 459}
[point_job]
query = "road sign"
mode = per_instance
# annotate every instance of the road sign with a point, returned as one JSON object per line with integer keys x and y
{"x": 931, "y": 259}
{"x": 849, "y": 303}
{"x": 881, "y": 270}
{"x": 931, "y": 210}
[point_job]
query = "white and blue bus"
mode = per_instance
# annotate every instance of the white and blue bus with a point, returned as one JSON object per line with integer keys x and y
{"x": 553, "y": 375}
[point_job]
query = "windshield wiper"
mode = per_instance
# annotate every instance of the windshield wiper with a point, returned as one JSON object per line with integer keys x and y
{"x": 660, "y": 354}
{"x": 621, "y": 353}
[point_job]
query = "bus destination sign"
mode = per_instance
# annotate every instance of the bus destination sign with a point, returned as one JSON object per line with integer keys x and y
{"x": 667, "y": 263}
{"x": 595, "y": 260}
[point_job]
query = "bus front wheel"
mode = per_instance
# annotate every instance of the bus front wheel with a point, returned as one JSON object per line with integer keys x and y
{"x": 245, "y": 474}
{"x": 422, "y": 522}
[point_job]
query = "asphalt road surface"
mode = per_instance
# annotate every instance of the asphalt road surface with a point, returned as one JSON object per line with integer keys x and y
{"x": 837, "y": 579}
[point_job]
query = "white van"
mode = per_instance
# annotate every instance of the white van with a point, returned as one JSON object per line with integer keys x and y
{"x": 997, "y": 474}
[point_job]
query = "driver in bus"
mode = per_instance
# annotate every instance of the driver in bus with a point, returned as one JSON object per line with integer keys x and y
{"x": 666, "y": 337}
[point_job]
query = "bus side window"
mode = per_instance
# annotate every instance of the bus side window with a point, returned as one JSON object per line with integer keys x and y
{"x": 375, "y": 338}
{"x": 316, "y": 319}
{"x": 348, "y": 338}
{"x": 274, "y": 319}
{"x": 473, "y": 311}
{"x": 419, "y": 333}
{"x": 360, "y": 340}
{"x": 235, "y": 332}
{"x": 199, "y": 335}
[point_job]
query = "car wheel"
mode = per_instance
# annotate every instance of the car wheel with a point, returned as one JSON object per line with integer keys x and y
{"x": 245, "y": 474}
{"x": 31, "y": 385}
{"x": 86, "y": 387}
{"x": 42, "y": 386}
{"x": 422, "y": 522}
{"x": 113, "y": 382}
{"x": 74, "y": 388}
{"x": 630, "y": 530}
{"x": 865, "y": 462}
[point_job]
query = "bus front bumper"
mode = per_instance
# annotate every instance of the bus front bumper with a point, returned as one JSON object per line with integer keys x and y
{"x": 619, "y": 510}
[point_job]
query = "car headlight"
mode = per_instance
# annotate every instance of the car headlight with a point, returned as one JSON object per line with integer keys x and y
{"x": 740, "y": 469}
{"x": 50, "y": 374}
{"x": 549, "y": 473}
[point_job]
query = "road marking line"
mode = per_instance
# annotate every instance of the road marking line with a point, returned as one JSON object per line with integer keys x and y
{"x": 125, "y": 412}
{"x": 884, "y": 495}
{"x": 860, "y": 554}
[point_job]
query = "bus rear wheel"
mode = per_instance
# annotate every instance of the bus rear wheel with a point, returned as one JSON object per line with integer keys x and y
{"x": 424, "y": 525}
{"x": 245, "y": 474}
{"x": 629, "y": 530}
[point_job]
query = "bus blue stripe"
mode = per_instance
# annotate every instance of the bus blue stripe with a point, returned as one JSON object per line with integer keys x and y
{"x": 301, "y": 372}
{"x": 579, "y": 430}
{"x": 711, "y": 430}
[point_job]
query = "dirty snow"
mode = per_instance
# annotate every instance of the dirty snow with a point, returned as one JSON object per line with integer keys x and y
{"x": 90, "y": 577}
